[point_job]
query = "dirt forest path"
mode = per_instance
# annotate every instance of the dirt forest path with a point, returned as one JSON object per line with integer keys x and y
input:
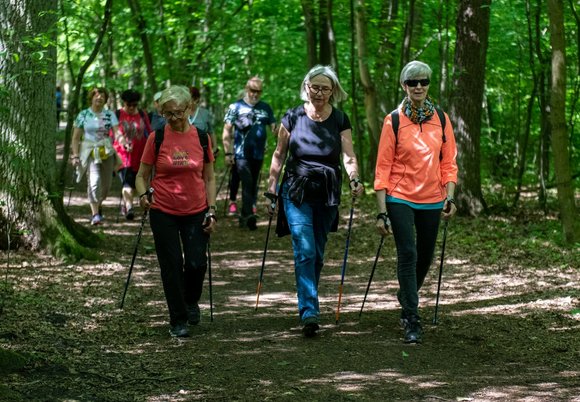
{"x": 508, "y": 323}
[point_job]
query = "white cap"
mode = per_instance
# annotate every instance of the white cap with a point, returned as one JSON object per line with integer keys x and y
{"x": 157, "y": 96}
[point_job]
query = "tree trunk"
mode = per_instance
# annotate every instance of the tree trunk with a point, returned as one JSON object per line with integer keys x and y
{"x": 371, "y": 107}
{"x": 386, "y": 67}
{"x": 147, "y": 53}
{"x": 358, "y": 134}
{"x": 568, "y": 212}
{"x": 469, "y": 78}
{"x": 328, "y": 55}
{"x": 309, "y": 25}
{"x": 31, "y": 208}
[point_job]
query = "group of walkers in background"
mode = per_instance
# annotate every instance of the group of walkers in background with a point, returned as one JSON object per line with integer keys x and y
{"x": 167, "y": 159}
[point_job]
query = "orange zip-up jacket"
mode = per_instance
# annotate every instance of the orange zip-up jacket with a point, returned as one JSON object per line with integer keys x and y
{"x": 411, "y": 169}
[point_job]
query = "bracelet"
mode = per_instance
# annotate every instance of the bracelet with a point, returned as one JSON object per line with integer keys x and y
{"x": 271, "y": 196}
{"x": 212, "y": 207}
{"x": 383, "y": 216}
{"x": 356, "y": 180}
{"x": 229, "y": 154}
{"x": 451, "y": 200}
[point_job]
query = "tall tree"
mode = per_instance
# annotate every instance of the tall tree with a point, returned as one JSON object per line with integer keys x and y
{"x": 466, "y": 102}
{"x": 568, "y": 212}
{"x": 309, "y": 24}
{"x": 370, "y": 92}
{"x": 31, "y": 203}
{"x": 135, "y": 7}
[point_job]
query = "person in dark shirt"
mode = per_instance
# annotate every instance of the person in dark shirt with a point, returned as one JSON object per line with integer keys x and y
{"x": 311, "y": 140}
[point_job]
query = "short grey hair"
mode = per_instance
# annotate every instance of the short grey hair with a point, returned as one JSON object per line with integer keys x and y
{"x": 177, "y": 93}
{"x": 415, "y": 69}
{"x": 338, "y": 94}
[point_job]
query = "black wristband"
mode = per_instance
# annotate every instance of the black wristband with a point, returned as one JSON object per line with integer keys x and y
{"x": 271, "y": 196}
{"x": 229, "y": 154}
{"x": 211, "y": 216}
{"x": 451, "y": 200}
{"x": 383, "y": 216}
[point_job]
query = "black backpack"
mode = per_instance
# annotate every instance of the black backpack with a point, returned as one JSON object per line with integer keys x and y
{"x": 395, "y": 123}
{"x": 203, "y": 140}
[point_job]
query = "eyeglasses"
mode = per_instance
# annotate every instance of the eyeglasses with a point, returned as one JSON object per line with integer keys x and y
{"x": 174, "y": 115}
{"x": 255, "y": 91}
{"x": 413, "y": 83}
{"x": 316, "y": 89}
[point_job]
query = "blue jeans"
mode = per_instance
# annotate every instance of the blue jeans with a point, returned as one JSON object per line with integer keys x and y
{"x": 309, "y": 225}
{"x": 415, "y": 234}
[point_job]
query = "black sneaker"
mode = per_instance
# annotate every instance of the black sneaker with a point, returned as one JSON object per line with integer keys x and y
{"x": 310, "y": 327}
{"x": 252, "y": 222}
{"x": 193, "y": 314}
{"x": 413, "y": 330}
{"x": 130, "y": 215}
{"x": 179, "y": 330}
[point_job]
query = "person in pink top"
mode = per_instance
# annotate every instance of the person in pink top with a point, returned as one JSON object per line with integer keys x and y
{"x": 182, "y": 207}
{"x": 134, "y": 128}
{"x": 415, "y": 179}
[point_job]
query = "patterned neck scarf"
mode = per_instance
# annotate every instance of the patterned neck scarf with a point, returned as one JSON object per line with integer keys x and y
{"x": 421, "y": 114}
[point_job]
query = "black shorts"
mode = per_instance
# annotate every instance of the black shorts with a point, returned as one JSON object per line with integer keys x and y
{"x": 127, "y": 177}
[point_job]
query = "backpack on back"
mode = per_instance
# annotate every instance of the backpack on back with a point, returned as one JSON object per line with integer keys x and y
{"x": 395, "y": 123}
{"x": 203, "y": 140}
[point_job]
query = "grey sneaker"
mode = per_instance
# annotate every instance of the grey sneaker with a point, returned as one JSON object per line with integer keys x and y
{"x": 193, "y": 314}
{"x": 310, "y": 326}
{"x": 413, "y": 330}
{"x": 179, "y": 331}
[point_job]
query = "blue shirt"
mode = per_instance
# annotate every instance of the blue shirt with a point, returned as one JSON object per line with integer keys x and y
{"x": 250, "y": 128}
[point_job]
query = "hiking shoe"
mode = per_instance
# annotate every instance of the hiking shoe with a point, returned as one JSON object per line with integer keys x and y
{"x": 413, "y": 330}
{"x": 310, "y": 326}
{"x": 179, "y": 331}
{"x": 232, "y": 209}
{"x": 130, "y": 215}
{"x": 252, "y": 222}
{"x": 193, "y": 314}
{"x": 97, "y": 219}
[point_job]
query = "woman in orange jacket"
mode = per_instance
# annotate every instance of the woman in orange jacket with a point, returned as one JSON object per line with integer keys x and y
{"x": 415, "y": 179}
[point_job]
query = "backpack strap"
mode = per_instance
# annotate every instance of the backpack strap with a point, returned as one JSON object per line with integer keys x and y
{"x": 203, "y": 140}
{"x": 443, "y": 122}
{"x": 395, "y": 123}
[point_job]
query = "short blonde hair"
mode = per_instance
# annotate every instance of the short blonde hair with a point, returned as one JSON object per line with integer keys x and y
{"x": 338, "y": 94}
{"x": 177, "y": 93}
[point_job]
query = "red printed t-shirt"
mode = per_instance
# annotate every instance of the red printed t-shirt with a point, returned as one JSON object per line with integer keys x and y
{"x": 135, "y": 130}
{"x": 178, "y": 184}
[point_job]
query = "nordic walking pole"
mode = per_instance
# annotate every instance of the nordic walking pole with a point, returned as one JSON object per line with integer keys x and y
{"x": 372, "y": 273}
{"x": 223, "y": 179}
{"x": 143, "y": 219}
{"x": 210, "y": 283}
{"x": 72, "y": 185}
{"x": 344, "y": 260}
{"x": 273, "y": 199}
{"x": 440, "y": 271}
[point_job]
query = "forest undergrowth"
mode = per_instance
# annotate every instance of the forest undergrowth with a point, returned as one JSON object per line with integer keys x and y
{"x": 508, "y": 319}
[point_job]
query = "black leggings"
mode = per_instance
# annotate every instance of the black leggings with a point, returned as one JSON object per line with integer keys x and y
{"x": 415, "y": 233}
{"x": 182, "y": 269}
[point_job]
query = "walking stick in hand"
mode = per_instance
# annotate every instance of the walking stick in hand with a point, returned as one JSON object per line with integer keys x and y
{"x": 440, "y": 271}
{"x": 372, "y": 273}
{"x": 344, "y": 260}
{"x": 210, "y": 282}
{"x": 143, "y": 219}
{"x": 273, "y": 200}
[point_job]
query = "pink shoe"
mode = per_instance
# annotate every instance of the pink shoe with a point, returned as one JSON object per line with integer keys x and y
{"x": 233, "y": 209}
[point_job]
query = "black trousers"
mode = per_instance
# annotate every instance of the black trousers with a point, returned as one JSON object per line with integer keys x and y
{"x": 181, "y": 246}
{"x": 415, "y": 232}
{"x": 249, "y": 172}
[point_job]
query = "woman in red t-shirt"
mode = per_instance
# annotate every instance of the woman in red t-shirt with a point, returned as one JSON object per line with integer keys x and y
{"x": 134, "y": 127}
{"x": 182, "y": 207}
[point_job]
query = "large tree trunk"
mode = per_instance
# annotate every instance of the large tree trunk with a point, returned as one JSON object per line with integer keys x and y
{"x": 466, "y": 101}
{"x": 328, "y": 55}
{"x": 371, "y": 105}
{"x": 31, "y": 211}
{"x": 568, "y": 213}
